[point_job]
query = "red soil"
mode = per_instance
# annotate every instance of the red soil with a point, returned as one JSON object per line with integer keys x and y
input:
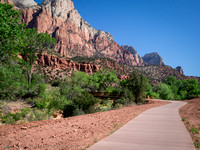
{"x": 77, "y": 132}
{"x": 191, "y": 114}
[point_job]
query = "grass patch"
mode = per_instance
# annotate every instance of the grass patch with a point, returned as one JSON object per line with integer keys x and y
{"x": 194, "y": 131}
{"x": 95, "y": 141}
{"x": 183, "y": 119}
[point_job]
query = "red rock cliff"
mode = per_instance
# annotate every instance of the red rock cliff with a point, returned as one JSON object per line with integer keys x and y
{"x": 61, "y": 64}
{"x": 75, "y": 37}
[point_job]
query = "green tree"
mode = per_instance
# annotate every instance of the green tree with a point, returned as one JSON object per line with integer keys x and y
{"x": 10, "y": 30}
{"x": 12, "y": 79}
{"x": 32, "y": 45}
{"x": 103, "y": 80}
{"x": 192, "y": 88}
{"x": 164, "y": 91}
{"x": 137, "y": 85}
{"x": 12, "y": 82}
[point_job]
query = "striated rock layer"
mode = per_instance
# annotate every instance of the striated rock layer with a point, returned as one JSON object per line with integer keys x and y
{"x": 75, "y": 37}
{"x": 62, "y": 64}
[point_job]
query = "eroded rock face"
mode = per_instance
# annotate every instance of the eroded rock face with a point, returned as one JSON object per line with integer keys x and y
{"x": 75, "y": 37}
{"x": 180, "y": 70}
{"x": 8, "y": 1}
{"x": 24, "y": 3}
{"x": 62, "y": 64}
{"x": 153, "y": 59}
{"x": 132, "y": 50}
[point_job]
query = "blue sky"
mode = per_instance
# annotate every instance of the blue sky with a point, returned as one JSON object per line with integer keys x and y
{"x": 169, "y": 27}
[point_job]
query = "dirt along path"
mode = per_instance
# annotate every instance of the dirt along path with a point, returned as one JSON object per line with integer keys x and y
{"x": 190, "y": 114}
{"x": 72, "y": 133}
{"x": 159, "y": 128}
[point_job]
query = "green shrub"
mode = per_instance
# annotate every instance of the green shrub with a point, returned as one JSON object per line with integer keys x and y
{"x": 58, "y": 103}
{"x": 85, "y": 101}
{"x": 25, "y": 111}
{"x": 41, "y": 89}
{"x": 56, "y": 83}
{"x": 123, "y": 101}
{"x": 77, "y": 112}
{"x": 155, "y": 95}
{"x": 69, "y": 110}
{"x": 12, "y": 118}
{"x": 193, "y": 130}
{"x": 41, "y": 103}
{"x": 40, "y": 115}
{"x": 164, "y": 91}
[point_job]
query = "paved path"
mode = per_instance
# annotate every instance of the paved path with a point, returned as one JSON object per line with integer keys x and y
{"x": 158, "y": 128}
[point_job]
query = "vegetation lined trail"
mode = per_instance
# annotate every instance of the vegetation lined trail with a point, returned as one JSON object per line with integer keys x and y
{"x": 70, "y": 133}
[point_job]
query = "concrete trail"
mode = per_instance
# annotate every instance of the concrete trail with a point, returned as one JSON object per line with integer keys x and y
{"x": 159, "y": 128}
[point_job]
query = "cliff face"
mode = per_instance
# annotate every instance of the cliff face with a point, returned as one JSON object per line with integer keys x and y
{"x": 153, "y": 59}
{"x": 180, "y": 70}
{"x": 75, "y": 37}
{"x": 62, "y": 64}
{"x": 132, "y": 50}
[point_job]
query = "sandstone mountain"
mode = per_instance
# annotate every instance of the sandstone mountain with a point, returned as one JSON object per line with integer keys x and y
{"x": 132, "y": 50}
{"x": 153, "y": 59}
{"x": 78, "y": 41}
{"x": 75, "y": 37}
{"x": 180, "y": 70}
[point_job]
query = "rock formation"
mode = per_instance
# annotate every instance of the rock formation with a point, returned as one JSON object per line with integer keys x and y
{"x": 153, "y": 59}
{"x": 62, "y": 64}
{"x": 180, "y": 70}
{"x": 75, "y": 37}
{"x": 8, "y": 1}
{"x": 24, "y": 3}
{"x": 132, "y": 50}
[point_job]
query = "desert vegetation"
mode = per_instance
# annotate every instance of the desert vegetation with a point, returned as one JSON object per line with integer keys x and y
{"x": 77, "y": 94}
{"x": 174, "y": 89}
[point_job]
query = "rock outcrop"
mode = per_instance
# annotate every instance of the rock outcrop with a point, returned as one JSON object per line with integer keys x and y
{"x": 8, "y": 1}
{"x": 75, "y": 37}
{"x": 132, "y": 50}
{"x": 24, "y": 3}
{"x": 153, "y": 59}
{"x": 62, "y": 64}
{"x": 180, "y": 70}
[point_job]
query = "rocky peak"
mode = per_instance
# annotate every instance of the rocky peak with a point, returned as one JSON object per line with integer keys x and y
{"x": 58, "y": 8}
{"x": 180, "y": 70}
{"x": 75, "y": 37}
{"x": 153, "y": 59}
{"x": 132, "y": 50}
{"x": 24, "y": 3}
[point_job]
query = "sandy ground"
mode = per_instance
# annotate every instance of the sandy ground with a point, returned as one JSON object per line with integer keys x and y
{"x": 77, "y": 132}
{"x": 190, "y": 114}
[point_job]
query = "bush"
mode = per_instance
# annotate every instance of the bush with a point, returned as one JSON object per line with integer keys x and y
{"x": 69, "y": 110}
{"x": 56, "y": 83}
{"x": 12, "y": 82}
{"x": 85, "y": 101}
{"x": 41, "y": 89}
{"x": 164, "y": 91}
{"x": 40, "y": 115}
{"x": 12, "y": 118}
{"x": 122, "y": 101}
